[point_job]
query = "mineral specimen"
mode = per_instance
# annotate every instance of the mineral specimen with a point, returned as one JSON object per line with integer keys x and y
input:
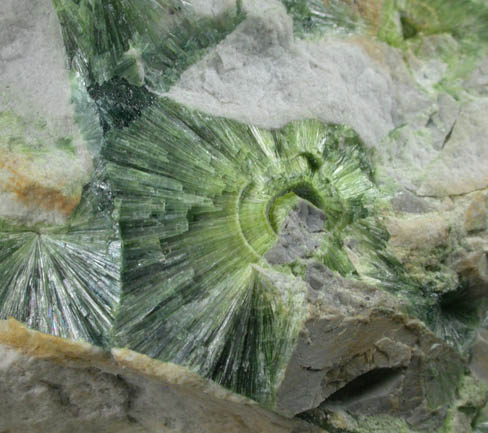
{"x": 286, "y": 197}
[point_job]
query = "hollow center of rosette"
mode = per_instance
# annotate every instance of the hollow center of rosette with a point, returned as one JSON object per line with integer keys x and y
{"x": 263, "y": 205}
{"x": 284, "y": 202}
{"x": 262, "y": 210}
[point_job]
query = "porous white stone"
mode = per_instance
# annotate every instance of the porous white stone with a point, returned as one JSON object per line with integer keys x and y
{"x": 35, "y": 90}
{"x": 462, "y": 164}
{"x": 260, "y": 74}
{"x": 33, "y": 74}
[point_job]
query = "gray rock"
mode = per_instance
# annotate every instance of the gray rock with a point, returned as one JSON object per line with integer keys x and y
{"x": 300, "y": 235}
{"x": 30, "y": 35}
{"x": 42, "y": 396}
{"x": 478, "y": 81}
{"x": 427, "y": 56}
{"x": 259, "y": 74}
{"x": 476, "y": 215}
{"x": 441, "y": 122}
{"x": 358, "y": 353}
{"x": 407, "y": 154}
{"x": 472, "y": 267}
{"x": 410, "y": 105}
{"x": 461, "y": 166}
{"x": 427, "y": 72}
{"x": 407, "y": 202}
{"x": 479, "y": 355}
{"x": 212, "y": 7}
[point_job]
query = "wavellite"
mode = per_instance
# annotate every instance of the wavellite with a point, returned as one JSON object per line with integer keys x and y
{"x": 200, "y": 205}
{"x": 64, "y": 278}
{"x": 198, "y": 202}
{"x": 146, "y": 42}
{"x": 166, "y": 253}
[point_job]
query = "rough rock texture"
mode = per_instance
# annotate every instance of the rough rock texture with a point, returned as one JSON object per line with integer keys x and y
{"x": 212, "y": 7}
{"x": 478, "y": 81}
{"x": 479, "y": 355}
{"x": 301, "y": 235}
{"x": 55, "y": 385}
{"x": 44, "y": 162}
{"x": 378, "y": 363}
{"x": 259, "y": 74}
{"x": 467, "y": 142}
{"x": 361, "y": 363}
{"x": 33, "y": 62}
{"x": 356, "y": 351}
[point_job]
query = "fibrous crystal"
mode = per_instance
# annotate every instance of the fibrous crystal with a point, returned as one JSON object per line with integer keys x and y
{"x": 230, "y": 248}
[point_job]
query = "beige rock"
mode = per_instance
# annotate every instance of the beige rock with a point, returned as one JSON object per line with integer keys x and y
{"x": 461, "y": 166}
{"x": 422, "y": 232}
{"x": 55, "y": 385}
{"x": 473, "y": 268}
{"x": 476, "y": 216}
{"x": 479, "y": 355}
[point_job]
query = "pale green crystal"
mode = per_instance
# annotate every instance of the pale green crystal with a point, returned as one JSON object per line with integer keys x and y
{"x": 201, "y": 200}
{"x": 408, "y": 23}
{"x": 318, "y": 16}
{"x": 64, "y": 280}
{"x": 166, "y": 252}
{"x": 143, "y": 41}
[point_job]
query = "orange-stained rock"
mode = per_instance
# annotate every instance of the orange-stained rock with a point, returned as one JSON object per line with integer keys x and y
{"x": 35, "y": 186}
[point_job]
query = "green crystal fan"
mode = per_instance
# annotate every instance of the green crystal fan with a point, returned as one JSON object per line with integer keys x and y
{"x": 197, "y": 202}
{"x": 126, "y": 51}
{"x": 315, "y": 17}
{"x": 145, "y": 42}
{"x": 167, "y": 253}
{"x": 201, "y": 201}
{"x": 65, "y": 280}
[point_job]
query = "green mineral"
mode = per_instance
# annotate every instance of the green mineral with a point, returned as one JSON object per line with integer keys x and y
{"x": 199, "y": 203}
{"x": 64, "y": 280}
{"x": 280, "y": 262}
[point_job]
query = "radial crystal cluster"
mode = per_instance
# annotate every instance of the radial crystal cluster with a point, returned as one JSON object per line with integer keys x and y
{"x": 222, "y": 246}
{"x": 201, "y": 202}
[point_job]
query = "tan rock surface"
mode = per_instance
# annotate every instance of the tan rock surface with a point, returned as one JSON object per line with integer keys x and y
{"x": 55, "y": 385}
